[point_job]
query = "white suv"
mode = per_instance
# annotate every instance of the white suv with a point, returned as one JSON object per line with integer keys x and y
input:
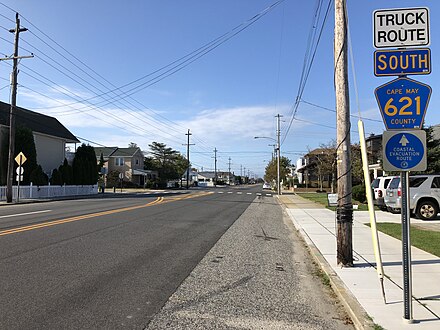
{"x": 379, "y": 185}
{"x": 424, "y": 191}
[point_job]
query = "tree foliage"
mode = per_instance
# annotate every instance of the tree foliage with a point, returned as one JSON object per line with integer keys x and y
{"x": 66, "y": 172}
{"x": 113, "y": 179}
{"x": 24, "y": 142}
{"x": 85, "y": 169}
{"x": 357, "y": 170}
{"x": 433, "y": 151}
{"x": 271, "y": 169}
{"x": 4, "y": 157}
{"x": 56, "y": 179}
{"x": 38, "y": 177}
{"x": 169, "y": 163}
{"x": 325, "y": 162}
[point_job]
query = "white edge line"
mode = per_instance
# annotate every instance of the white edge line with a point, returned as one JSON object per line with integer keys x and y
{"x": 20, "y": 214}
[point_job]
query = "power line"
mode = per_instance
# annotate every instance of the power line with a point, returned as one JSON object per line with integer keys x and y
{"x": 188, "y": 60}
{"x": 333, "y": 110}
{"x": 308, "y": 63}
{"x": 198, "y": 53}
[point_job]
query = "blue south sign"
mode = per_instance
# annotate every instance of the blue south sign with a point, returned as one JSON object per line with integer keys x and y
{"x": 403, "y": 103}
{"x": 402, "y": 62}
{"x": 404, "y": 150}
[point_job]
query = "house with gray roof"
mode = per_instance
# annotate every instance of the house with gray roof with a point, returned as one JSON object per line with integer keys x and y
{"x": 207, "y": 178}
{"x": 50, "y": 135}
{"x": 128, "y": 161}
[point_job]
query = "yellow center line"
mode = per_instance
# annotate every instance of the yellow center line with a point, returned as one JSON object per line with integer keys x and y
{"x": 159, "y": 200}
{"x": 77, "y": 218}
{"x": 179, "y": 198}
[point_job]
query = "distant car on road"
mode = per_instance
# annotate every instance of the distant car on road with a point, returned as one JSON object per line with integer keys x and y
{"x": 266, "y": 186}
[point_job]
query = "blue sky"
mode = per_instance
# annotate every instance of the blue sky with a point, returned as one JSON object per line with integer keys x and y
{"x": 225, "y": 98}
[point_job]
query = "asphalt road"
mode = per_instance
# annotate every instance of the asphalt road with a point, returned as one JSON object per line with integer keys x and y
{"x": 106, "y": 262}
{"x": 259, "y": 275}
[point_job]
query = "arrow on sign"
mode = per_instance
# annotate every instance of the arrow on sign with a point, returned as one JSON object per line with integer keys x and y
{"x": 403, "y": 141}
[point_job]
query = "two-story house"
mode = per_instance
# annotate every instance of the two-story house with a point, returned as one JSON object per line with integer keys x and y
{"x": 128, "y": 161}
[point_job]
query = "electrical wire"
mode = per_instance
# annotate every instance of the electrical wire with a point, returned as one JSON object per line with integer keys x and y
{"x": 237, "y": 30}
{"x": 254, "y": 19}
{"x": 307, "y": 64}
{"x": 333, "y": 110}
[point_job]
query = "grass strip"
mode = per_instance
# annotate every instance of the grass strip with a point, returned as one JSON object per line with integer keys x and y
{"x": 426, "y": 240}
{"x": 321, "y": 198}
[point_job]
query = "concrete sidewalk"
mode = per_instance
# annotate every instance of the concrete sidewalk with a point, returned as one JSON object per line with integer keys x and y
{"x": 317, "y": 225}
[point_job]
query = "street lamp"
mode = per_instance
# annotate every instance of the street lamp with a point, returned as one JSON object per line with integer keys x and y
{"x": 277, "y": 147}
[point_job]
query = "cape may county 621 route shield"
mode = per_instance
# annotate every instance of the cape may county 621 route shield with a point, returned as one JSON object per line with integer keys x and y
{"x": 403, "y": 103}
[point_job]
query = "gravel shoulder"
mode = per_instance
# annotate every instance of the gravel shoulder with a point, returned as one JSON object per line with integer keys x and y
{"x": 259, "y": 275}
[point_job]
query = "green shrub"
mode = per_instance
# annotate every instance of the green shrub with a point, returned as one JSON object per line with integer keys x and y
{"x": 359, "y": 193}
{"x": 38, "y": 177}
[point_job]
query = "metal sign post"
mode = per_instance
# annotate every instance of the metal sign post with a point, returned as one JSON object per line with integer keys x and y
{"x": 19, "y": 178}
{"x": 20, "y": 159}
{"x": 406, "y": 248}
{"x": 121, "y": 177}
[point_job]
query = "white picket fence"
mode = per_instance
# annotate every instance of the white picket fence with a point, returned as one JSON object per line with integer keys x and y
{"x": 42, "y": 192}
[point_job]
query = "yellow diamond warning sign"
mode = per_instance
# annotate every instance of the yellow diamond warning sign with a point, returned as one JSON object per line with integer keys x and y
{"x": 20, "y": 159}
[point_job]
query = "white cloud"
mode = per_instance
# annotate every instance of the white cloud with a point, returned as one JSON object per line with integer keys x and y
{"x": 227, "y": 128}
{"x": 233, "y": 124}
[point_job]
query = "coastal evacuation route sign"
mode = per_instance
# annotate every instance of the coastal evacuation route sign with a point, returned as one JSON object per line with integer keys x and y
{"x": 404, "y": 150}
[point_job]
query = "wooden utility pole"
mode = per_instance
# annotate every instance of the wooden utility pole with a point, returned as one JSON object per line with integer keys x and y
{"x": 15, "y": 58}
{"x": 187, "y": 157}
{"x": 229, "y": 171}
{"x": 215, "y": 167}
{"x": 278, "y": 154}
{"x": 345, "y": 206}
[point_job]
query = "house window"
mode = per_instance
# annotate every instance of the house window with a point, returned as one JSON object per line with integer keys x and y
{"x": 119, "y": 161}
{"x": 136, "y": 161}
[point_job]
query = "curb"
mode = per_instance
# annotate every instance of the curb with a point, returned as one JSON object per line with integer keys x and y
{"x": 358, "y": 315}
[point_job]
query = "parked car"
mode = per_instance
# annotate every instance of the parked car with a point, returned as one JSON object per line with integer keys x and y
{"x": 424, "y": 191}
{"x": 379, "y": 185}
{"x": 266, "y": 185}
{"x": 392, "y": 193}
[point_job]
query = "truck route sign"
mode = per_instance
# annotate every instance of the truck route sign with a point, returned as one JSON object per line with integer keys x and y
{"x": 405, "y": 27}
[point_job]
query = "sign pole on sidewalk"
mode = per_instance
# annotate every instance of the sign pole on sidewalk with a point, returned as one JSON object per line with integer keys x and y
{"x": 403, "y": 103}
{"x": 406, "y": 248}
